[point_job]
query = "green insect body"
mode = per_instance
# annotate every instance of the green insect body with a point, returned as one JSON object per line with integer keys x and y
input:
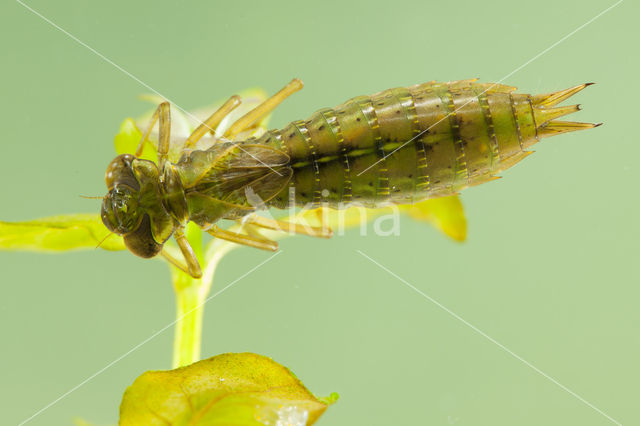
{"x": 407, "y": 144}
{"x": 400, "y": 146}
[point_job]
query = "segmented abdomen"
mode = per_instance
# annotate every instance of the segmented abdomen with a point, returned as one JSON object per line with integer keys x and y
{"x": 404, "y": 145}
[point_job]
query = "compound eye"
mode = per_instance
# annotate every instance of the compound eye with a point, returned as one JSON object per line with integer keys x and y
{"x": 120, "y": 171}
{"x": 120, "y": 210}
{"x": 107, "y": 215}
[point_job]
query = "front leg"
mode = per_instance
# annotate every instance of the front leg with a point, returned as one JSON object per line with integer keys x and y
{"x": 162, "y": 113}
{"x": 192, "y": 266}
{"x": 211, "y": 123}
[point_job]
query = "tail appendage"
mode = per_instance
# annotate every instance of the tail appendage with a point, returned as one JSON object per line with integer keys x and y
{"x": 545, "y": 112}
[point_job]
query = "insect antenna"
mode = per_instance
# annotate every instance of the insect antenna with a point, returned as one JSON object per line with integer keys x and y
{"x": 104, "y": 239}
{"x": 90, "y": 198}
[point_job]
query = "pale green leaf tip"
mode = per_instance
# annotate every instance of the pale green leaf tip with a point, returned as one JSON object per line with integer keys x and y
{"x": 254, "y": 92}
{"x": 128, "y": 137}
{"x": 128, "y": 126}
{"x": 331, "y": 399}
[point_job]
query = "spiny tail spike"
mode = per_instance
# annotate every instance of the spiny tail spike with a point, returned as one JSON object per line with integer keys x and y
{"x": 551, "y": 99}
{"x": 543, "y": 115}
{"x": 514, "y": 159}
{"x": 557, "y": 127}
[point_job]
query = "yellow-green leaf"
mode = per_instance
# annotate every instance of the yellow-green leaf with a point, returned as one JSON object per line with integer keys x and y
{"x": 230, "y": 389}
{"x": 128, "y": 138}
{"x": 58, "y": 233}
{"x": 445, "y": 213}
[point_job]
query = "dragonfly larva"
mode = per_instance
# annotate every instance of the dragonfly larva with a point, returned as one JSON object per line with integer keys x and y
{"x": 399, "y": 146}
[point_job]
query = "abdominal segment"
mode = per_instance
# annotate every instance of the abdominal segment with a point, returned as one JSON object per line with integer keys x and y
{"x": 404, "y": 145}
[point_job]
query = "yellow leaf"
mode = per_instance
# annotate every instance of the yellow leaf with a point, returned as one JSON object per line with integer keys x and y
{"x": 445, "y": 213}
{"x": 229, "y": 389}
{"x": 58, "y": 233}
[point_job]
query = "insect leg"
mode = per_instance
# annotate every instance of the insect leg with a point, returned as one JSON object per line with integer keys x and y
{"x": 163, "y": 138}
{"x": 280, "y": 225}
{"x": 180, "y": 264}
{"x": 247, "y": 240}
{"x": 191, "y": 267}
{"x": 213, "y": 121}
{"x": 263, "y": 109}
{"x": 162, "y": 113}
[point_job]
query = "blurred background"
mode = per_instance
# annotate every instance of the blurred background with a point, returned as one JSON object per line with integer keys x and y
{"x": 550, "y": 268}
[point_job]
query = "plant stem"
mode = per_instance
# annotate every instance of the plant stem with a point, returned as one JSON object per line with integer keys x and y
{"x": 188, "y": 332}
{"x": 191, "y": 297}
{"x": 192, "y": 294}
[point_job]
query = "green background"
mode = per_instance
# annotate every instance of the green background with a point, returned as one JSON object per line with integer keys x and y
{"x": 550, "y": 268}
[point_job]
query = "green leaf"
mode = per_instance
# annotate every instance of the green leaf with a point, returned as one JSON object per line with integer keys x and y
{"x": 230, "y": 389}
{"x": 58, "y": 233}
